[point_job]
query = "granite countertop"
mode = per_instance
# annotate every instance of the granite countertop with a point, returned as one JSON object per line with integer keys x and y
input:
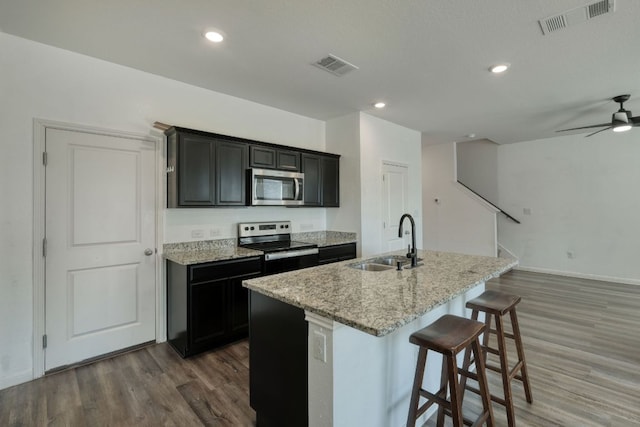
{"x": 188, "y": 253}
{"x": 379, "y": 302}
{"x": 206, "y": 251}
{"x": 325, "y": 238}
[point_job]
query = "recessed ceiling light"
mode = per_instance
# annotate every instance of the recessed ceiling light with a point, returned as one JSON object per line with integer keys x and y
{"x": 379, "y": 105}
{"x": 499, "y": 68}
{"x": 214, "y": 36}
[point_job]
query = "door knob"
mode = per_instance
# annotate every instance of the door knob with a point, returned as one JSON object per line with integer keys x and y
{"x": 148, "y": 252}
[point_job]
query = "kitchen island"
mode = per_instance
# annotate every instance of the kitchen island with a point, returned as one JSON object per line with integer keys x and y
{"x": 330, "y": 344}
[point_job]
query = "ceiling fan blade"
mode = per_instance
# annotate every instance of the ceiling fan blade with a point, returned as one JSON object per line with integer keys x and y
{"x": 598, "y": 131}
{"x": 586, "y": 127}
{"x": 635, "y": 120}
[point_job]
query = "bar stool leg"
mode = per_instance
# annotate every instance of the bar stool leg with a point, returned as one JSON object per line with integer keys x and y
{"x": 523, "y": 369}
{"x": 482, "y": 381}
{"x": 467, "y": 356}
{"x": 442, "y": 391}
{"x": 504, "y": 364}
{"x": 417, "y": 384}
{"x": 456, "y": 404}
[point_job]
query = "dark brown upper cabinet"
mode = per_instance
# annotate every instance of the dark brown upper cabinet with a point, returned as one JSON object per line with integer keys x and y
{"x": 205, "y": 171}
{"x": 273, "y": 158}
{"x": 321, "y": 180}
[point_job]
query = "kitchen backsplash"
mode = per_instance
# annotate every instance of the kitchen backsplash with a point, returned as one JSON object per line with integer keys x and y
{"x": 188, "y": 225}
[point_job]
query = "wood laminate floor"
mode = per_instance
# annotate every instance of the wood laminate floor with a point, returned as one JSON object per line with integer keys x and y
{"x": 581, "y": 339}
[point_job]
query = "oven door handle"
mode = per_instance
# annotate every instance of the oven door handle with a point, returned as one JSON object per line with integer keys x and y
{"x": 290, "y": 254}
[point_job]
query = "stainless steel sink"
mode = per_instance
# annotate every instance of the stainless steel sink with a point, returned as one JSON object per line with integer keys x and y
{"x": 369, "y": 266}
{"x": 382, "y": 263}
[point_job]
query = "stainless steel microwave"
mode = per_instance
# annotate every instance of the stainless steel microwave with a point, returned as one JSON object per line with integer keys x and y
{"x": 276, "y": 188}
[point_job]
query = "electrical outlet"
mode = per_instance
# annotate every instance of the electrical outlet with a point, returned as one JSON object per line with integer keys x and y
{"x": 215, "y": 232}
{"x": 320, "y": 346}
{"x": 197, "y": 234}
{"x": 570, "y": 255}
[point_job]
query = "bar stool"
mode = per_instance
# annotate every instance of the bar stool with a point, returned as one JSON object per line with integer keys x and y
{"x": 495, "y": 305}
{"x": 449, "y": 335}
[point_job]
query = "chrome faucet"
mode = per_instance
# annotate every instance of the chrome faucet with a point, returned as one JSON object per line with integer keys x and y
{"x": 411, "y": 250}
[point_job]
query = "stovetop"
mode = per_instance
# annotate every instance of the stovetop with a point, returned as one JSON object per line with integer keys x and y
{"x": 272, "y": 236}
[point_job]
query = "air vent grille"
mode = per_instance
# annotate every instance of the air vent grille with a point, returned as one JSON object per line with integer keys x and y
{"x": 575, "y": 16}
{"x": 335, "y": 65}
{"x": 599, "y": 8}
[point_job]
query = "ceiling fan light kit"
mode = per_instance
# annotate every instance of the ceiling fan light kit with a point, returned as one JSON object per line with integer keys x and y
{"x": 621, "y": 120}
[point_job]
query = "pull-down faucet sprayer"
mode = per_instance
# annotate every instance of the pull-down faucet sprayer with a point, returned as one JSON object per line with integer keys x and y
{"x": 411, "y": 251}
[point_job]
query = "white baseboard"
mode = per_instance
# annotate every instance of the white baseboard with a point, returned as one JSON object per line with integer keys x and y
{"x": 579, "y": 275}
{"x": 15, "y": 379}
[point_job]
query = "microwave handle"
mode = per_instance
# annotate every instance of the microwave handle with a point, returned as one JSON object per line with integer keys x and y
{"x": 297, "y": 181}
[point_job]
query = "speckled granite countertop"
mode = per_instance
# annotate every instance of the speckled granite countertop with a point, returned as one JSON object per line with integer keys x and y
{"x": 325, "y": 238}
{"x": 379, "y": 302}
{"x": 206, "y": 251}
{"x": 223, "y": 249}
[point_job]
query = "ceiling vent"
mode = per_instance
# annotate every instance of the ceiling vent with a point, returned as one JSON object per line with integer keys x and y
{"x": 335, "y": 65}
{"x": 575, "y": 16}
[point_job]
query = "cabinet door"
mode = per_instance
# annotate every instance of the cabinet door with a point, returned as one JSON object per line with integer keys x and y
{"x": 231, "y": 166}
{"x": 262, "y": 157}
{"x": 312, "y": 187}
{"x": 288, "y": 160}
{"x": 330, "y": 168}
{"x": 196, "y": 171}
{"x": 208, "y": 313}
{"x": 239, "y": 305}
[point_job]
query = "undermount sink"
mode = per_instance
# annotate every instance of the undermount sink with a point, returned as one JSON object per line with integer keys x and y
{"x": 382, "y": 263}
{"x": 369, "y": 266}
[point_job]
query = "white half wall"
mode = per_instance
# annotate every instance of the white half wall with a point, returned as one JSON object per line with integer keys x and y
{"x": 381, "y": 140}
{"x": 454, "y": 219}
{"x": 583, "y": 202}
{"x": 39, "y": 81}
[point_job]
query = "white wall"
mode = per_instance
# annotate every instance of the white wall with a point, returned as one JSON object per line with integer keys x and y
{"x": 477, "y": 167}
{"x": 343, "y": 137}
{"x": 584, "y": 202}
{"x": 381, "y": 140}
{"x": 458, "y": 221}
{"x": 40, "y": 81}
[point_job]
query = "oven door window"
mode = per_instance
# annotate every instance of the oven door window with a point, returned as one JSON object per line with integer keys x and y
{"x": 275, "y": 188}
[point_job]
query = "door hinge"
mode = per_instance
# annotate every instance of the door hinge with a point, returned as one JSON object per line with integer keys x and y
{"x": 45, "y": 158}
{"x": 44, "y": 247}
{"x": 44, "y": 341}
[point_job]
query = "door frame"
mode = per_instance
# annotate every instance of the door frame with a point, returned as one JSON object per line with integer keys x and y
{"x": 383, "y": 163}
{"x": 40, "y": 127}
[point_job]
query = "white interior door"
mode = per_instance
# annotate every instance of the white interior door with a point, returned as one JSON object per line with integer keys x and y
{"x": 395, "y": 191}
{"x": 100, "y": 221}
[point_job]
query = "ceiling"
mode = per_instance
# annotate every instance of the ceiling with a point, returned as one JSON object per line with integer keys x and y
{"x": 428, "y": 60}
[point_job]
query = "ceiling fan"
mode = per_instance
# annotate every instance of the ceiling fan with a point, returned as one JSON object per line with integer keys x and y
{"x": 621, "y": 120}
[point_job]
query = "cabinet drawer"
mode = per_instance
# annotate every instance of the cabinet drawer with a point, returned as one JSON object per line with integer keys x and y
{"x": 224, "y": 269}
{"x": 337, "y": 253}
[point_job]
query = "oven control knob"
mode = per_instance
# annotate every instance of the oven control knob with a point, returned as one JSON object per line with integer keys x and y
{"x": 246, "y": 229}
{"x": 282, "y": 226}
{"x": 286, "y": 226}
{"x": 253, "y": 228}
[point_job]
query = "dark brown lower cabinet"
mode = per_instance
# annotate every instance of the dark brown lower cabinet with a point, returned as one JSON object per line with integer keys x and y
{"x": 206, "y": 303}
{"x": 336, "y": 253}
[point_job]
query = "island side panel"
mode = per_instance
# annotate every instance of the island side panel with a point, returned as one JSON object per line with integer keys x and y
{"x": 366, "y": 380}
{"x": 278, "y": 368}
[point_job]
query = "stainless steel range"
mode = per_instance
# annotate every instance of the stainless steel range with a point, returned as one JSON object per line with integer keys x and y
{"x": 280, "y": 252}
